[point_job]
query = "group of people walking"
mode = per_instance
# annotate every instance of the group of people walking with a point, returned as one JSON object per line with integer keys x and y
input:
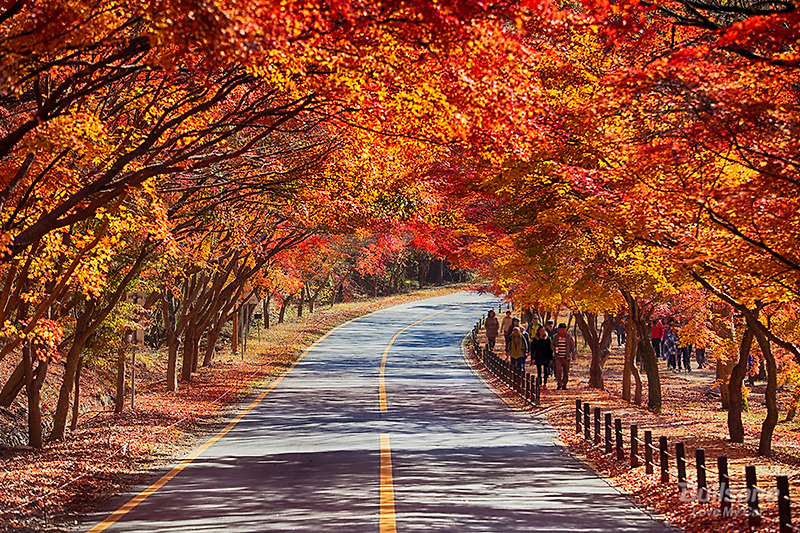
{"x": 550, "y": 350}
{"x": 668, "y": 346}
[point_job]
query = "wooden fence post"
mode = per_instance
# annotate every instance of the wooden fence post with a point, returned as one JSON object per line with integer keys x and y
{"x": 648, "y": 451}
{"x": 680, "y": 461}
{"x": 753, "y": 512}
{"x": 724, "y": 486}
{"x": 784, "y": 505}
{"x": 664, "y": 456}
{"x": 618, "y": 435}
{"x": 702, "y": 485}
{"x": 578, "y": 417}
{"x": 634, "y": 445}
{"x": 608, "y": 432}
{"x": 587, "y": 427}
{"x": 598, "y": 436}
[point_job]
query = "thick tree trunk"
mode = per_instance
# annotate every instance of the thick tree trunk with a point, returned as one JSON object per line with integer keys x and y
{"x": 735, "y": 398}
{"x": 768, "y": 426}
{"x": 645, "y": 352}
{"x": 301, "y": 302}
{"x": 211, "y": 339}
{"x": 76, "y": 401}
{"x": 597, "y": 341}
{"x": 648, "y": 356}
{"x": 422, "y": 271}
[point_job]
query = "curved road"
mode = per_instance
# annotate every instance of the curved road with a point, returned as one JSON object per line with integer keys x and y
{"x": 326, "y": 450}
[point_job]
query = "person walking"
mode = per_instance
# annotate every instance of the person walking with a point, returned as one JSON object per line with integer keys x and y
{"x": 514, "y": 324}
{"x": 550, "y": 328}
{"x": 655, "y": 338}
{"x": 492, "y": 326}
{"x": 669, "y": 348}
{"x": 541, "y": 354}
{"x": 685, "y": 353}
{"x": 517, "y": 349}
{"x": 505, "y": 327}
{"x": 564, "y": 351}
{"x": 621, "y": 333}
{"x": 700, "y": 357}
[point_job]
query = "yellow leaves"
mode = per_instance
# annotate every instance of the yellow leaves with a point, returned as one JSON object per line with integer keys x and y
{"x": 79, "y": 131}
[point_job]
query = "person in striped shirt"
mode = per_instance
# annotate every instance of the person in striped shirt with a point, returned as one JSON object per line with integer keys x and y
{"x": 564, "y": 351}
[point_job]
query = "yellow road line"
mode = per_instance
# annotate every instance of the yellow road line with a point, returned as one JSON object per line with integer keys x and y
{"x": 387, "y": 515}
{"x": 139, "y": 498}
{"x": 382, "y": 373}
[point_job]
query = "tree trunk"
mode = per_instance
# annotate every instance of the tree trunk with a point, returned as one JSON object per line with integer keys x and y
{"x": 637, "y": 395}
{"x": 724, "y": 369}
{"x": 735, "y": 398}
{"x": 768, "y": 426}
{"x": 630, "y": 360}
{"x": 312, "y": 298}
{"x": 792, "y": 412}
{"x": 76, "y": 401}
{"x": 440, "y": 275}
{"x": 422, "y": 270}
{"x": 301, "y": 303}
{"x": 13, "y": 386}
{"x": 235, "y": 333}
{"x": 119, "y": 403}
{"x": 70, "y": 367}
{"x": 645, "y": 352}
{"x": 284, "y": 305}
{"x": 585, "y": 321}
{"x": 189, "y": 352}
{"x": 266, "y": 310}
{"x": 172, "y": 348}
{"x": 211, "y": 339}
{"x": 598, "y": 342}
{"x": 33, "y": 386}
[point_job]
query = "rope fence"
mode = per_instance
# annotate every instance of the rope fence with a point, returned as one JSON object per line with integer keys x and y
{"x": 658, "y": 460}
{"x": 515, "y": 378}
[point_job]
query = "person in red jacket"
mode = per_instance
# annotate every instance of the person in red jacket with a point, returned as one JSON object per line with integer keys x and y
{"x": 655, "y": 337}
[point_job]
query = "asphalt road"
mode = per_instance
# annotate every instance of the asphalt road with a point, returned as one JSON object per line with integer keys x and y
{"x": 319, "y": 454}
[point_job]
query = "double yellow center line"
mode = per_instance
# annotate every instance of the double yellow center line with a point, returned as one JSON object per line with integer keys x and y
{"x": 387, "y": 512}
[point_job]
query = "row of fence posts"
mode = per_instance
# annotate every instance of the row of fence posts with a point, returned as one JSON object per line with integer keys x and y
{"x": 524, "y": 384}
{"x": 610, "y": 439}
